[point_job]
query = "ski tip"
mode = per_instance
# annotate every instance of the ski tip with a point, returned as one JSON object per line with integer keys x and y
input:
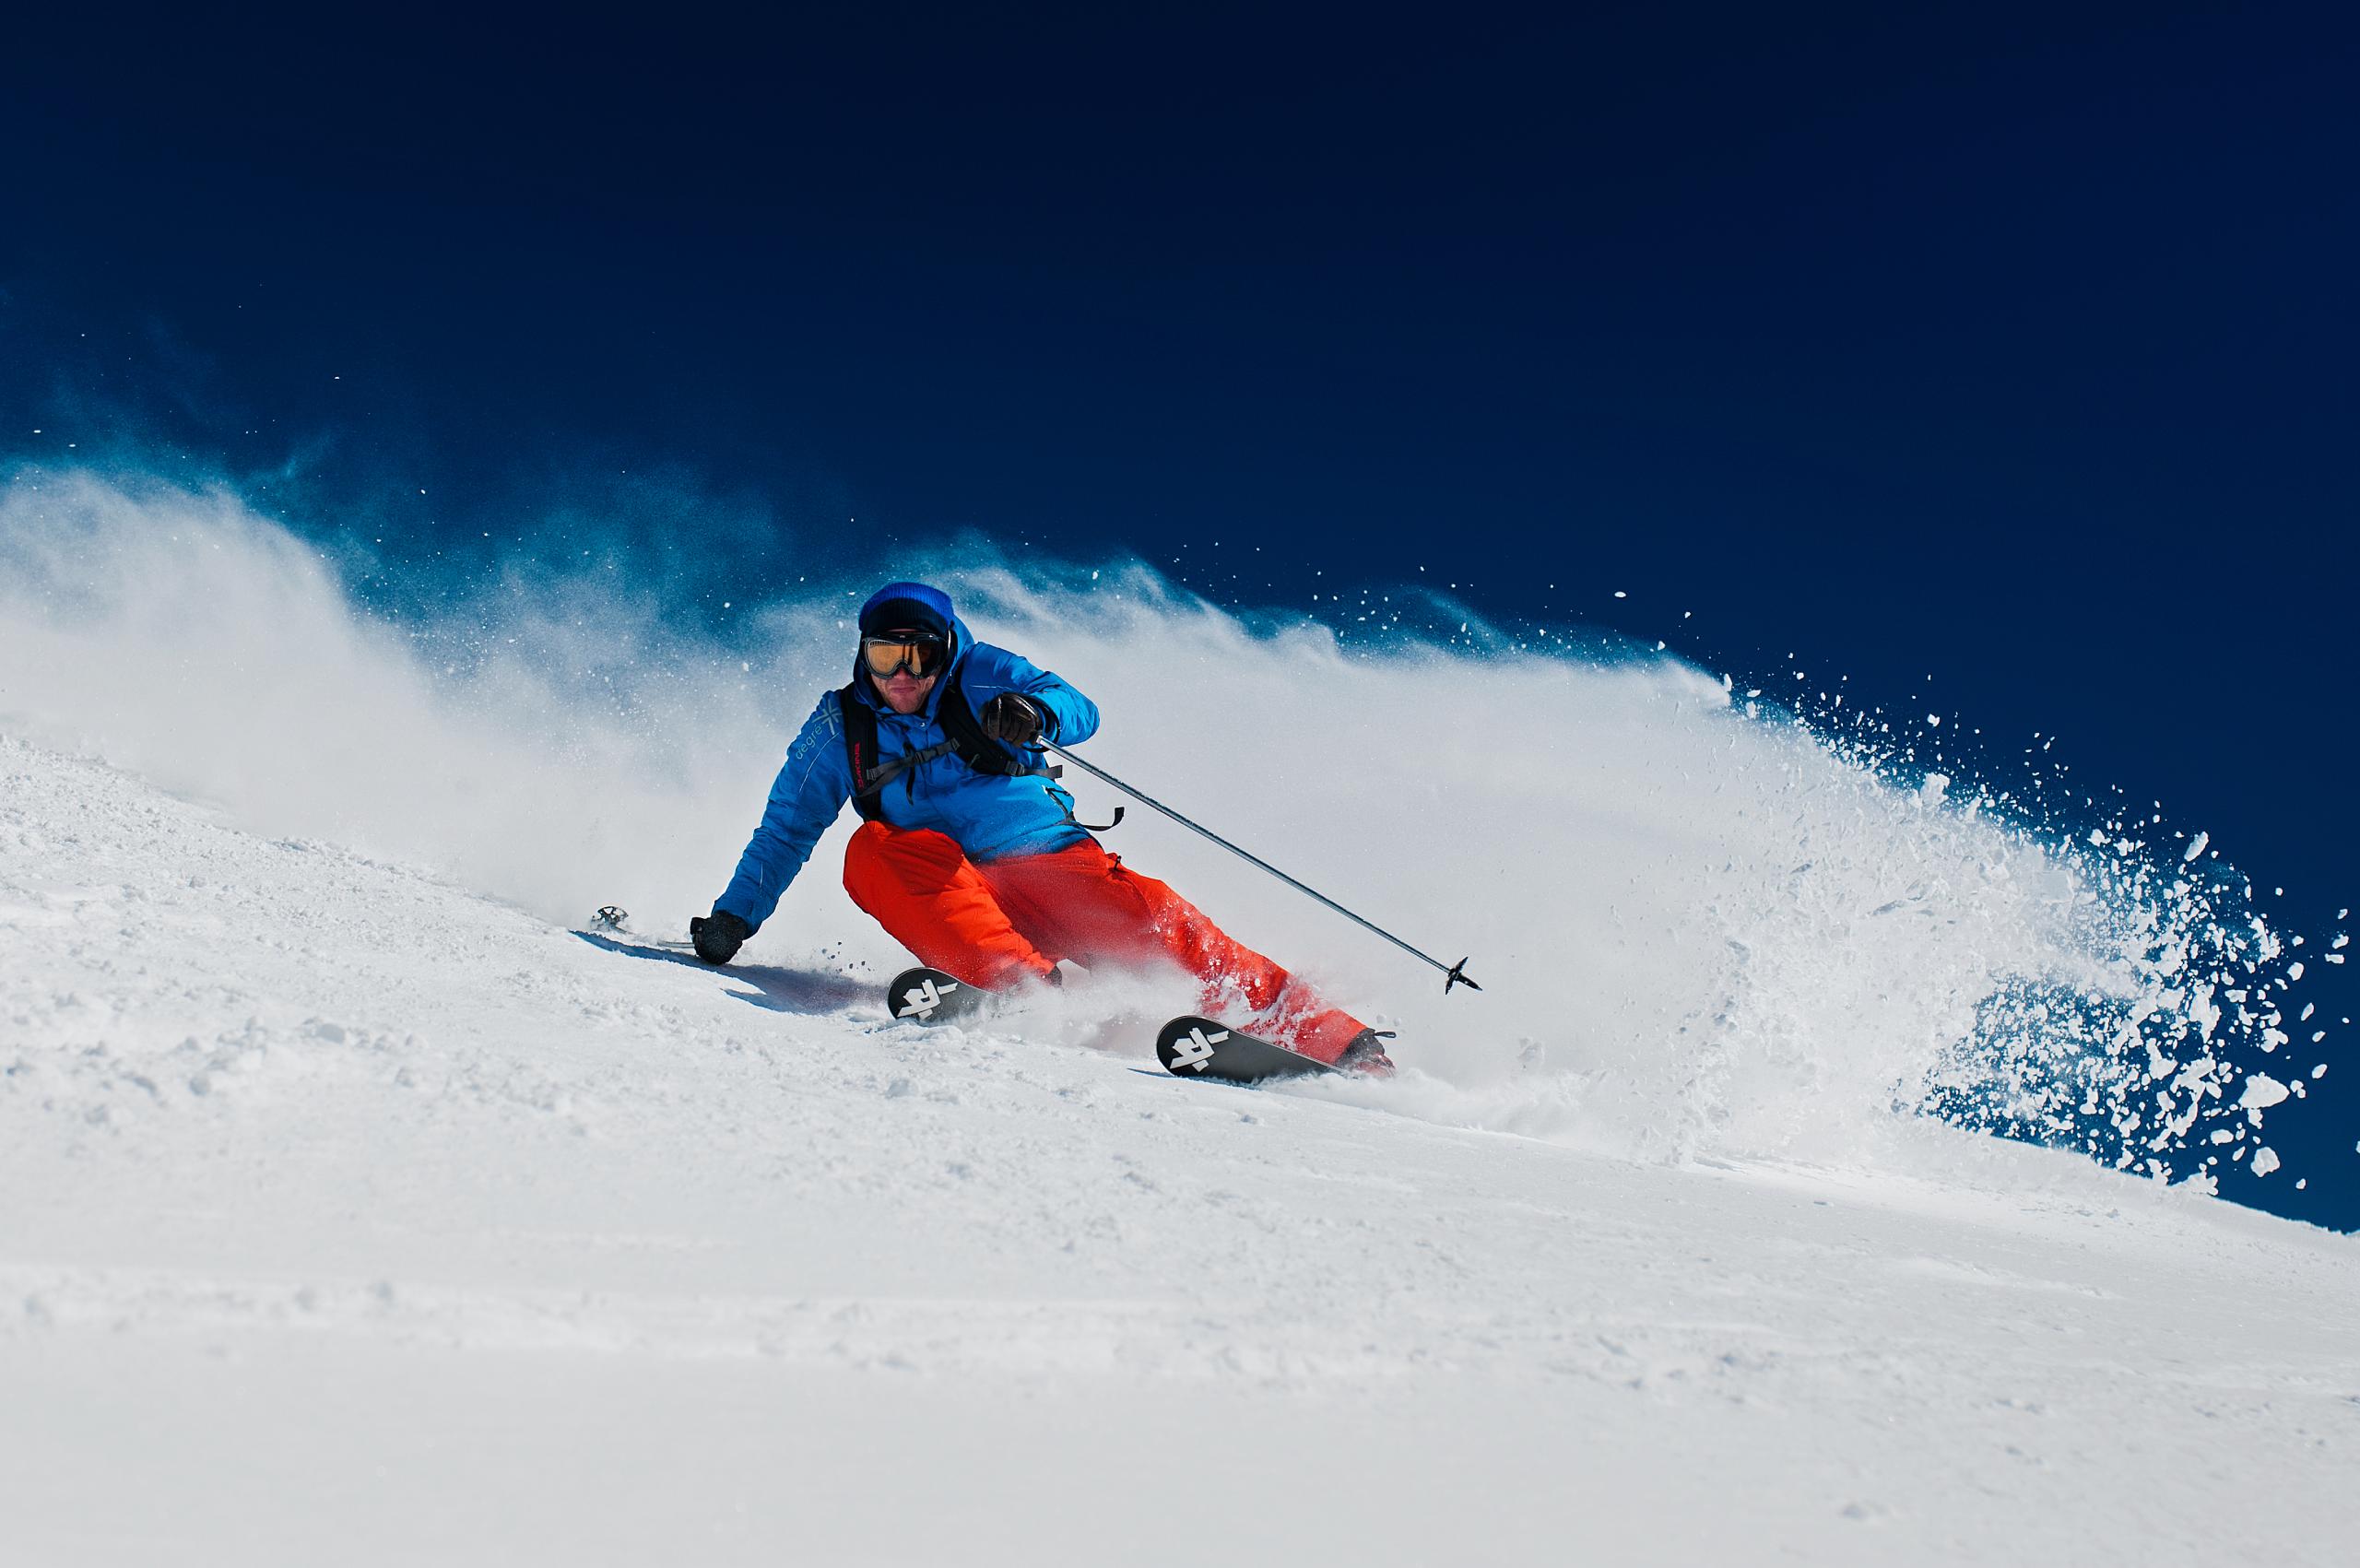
{"x": 928, "y": 996}
{"x": 1190, "y": 1046}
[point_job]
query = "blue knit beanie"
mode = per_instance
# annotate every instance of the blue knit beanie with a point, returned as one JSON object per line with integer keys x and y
{"x": 916, "y": 606}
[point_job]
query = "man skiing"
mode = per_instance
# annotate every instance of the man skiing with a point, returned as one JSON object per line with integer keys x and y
{"x": 968, "y": 853}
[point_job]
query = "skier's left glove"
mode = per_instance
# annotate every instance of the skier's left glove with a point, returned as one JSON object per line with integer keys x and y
{"x": 718, "y": 936}
{"x": 1011, "y": 719}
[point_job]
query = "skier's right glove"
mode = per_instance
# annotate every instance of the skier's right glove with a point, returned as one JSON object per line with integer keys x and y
{"x": 718, "y": 936}
{"x": 1010, "y": 718}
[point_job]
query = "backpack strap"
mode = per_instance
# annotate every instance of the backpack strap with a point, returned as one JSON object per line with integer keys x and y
{"x": 966, "y": 740}
{"x": 860, "y": 749}
{"x": 979, "y": 750}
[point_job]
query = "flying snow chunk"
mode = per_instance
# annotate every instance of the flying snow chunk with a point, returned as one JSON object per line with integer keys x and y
{"x": 2265, "y": 1160}
{"x": 2261, "y": 1089}
{"x": 1932, "y": 790}
{"x": 2196, "y": 847}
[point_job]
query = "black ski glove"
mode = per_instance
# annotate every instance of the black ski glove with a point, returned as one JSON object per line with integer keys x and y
{"x": 718, "y": 936}
{"x": 1011, "y": 719}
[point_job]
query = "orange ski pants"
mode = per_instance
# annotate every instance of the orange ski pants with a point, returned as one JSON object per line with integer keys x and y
{"x": 1007, "y": 921}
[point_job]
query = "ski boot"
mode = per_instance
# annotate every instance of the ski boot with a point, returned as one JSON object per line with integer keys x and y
{"x": 1366, "y": 1054}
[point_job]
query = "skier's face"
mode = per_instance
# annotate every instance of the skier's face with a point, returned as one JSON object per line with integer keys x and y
{"x": 894, "y": 660}
{"x": 903, "y": 692}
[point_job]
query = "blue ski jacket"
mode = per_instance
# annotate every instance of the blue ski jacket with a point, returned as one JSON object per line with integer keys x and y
{"x": 990, "y": 816}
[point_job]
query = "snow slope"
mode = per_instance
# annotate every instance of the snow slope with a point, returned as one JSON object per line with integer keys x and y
{"x": 1702, "y": 928}
{"x": 348, "y": 1216}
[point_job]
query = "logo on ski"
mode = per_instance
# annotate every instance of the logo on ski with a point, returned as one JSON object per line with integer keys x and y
{"x": 1195, "y": 1051}
{"x": 1205, "y": 1050}
{"x": 920, "y": 1000}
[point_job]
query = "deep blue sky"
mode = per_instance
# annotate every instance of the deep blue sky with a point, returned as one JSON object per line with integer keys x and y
{"x": 2014, "y": 347}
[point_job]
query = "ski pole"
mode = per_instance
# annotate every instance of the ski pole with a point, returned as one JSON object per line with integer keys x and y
{"x": 1453, "y": 973}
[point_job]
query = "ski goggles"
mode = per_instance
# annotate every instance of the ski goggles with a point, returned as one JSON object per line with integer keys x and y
{"x": 921, "y": 653}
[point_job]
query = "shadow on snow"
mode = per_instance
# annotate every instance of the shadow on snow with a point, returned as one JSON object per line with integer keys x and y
{"x": 779, "y": 990}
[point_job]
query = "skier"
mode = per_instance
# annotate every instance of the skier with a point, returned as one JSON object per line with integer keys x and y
{"x": 968, "y": 853}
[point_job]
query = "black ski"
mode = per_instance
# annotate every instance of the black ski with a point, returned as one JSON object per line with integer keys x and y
{"x": 928, "y": 996}
{"x": 1199, "y": 1047}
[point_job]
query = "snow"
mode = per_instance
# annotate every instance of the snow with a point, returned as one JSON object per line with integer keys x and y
{"x": 376, "y": 1219}
{"x": 2260, "y": 1091}
{"x": 358, "y": 1210}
